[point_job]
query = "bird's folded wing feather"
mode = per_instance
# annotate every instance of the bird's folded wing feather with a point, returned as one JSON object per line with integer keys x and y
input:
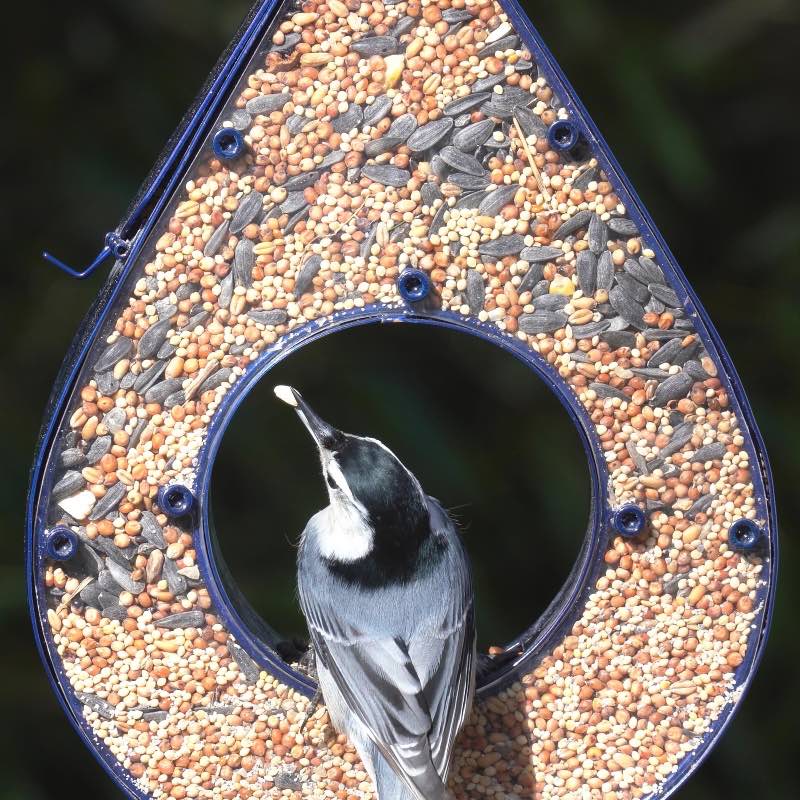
{"x": 413, "y": 694}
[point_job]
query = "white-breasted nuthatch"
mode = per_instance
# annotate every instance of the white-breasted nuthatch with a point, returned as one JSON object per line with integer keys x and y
{"x": 385, "y": 586}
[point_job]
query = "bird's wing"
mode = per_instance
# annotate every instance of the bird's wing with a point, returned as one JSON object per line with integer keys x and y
{"x": 411, "y": 694}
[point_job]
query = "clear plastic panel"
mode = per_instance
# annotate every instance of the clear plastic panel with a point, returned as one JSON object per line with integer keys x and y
{"x": 363, "y": 143}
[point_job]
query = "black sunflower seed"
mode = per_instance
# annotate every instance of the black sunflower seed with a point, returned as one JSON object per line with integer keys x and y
{"x": 475, "y": 291}
{"x": 508, "y": 245}
{"x": 542, "y": 322}
{"x": 473, "y": 136}
{"x": 530, "y": 122}
{"x": 402, "y": 127}
{"x": 183, "y": 619}
{"x": 375, "y": 46}
{"x": 349, "y": 119}
{"x": 460, "y": 161}
{"x": 300, "y": 182}
{"x": 149, "y": 377}
{"x": 288, "y": 43}
{"x": 573, "y": 225}
{"x": 488, "y": 83}
{"x": 430, "y": 193}
{"x": 470, "y": 183}
{"x": 604, "y": 391}
{"x": 597, "y": 235}
{"x": 550, "y": 302}
{"x": 153, "y": 338}
{"x": 387, "y": 174}
{"x": 466, "y": 103}
{"x": 243, "y": 261}
{"x": 617, "y": 339}
{"x": 275, "y": 316}
{"x": 680, "y": 436}
{"x": 378, "y": 110}
{"x": 267, "y": 103}
{"x": 585, "y": 178}
{"x": 633, "y": 288}
{"x": 216, "y": 240}
{"x": 623, "y": 227}
{"x": 430, "y": 134}
{"x": 710, "y": 452}
{"x": 385, "y": 144}
{"x": 590, "y": 329}
{"x": 673, "y": 388}
{"x": 540, "y": 254}
{"x": 532, "y": 277}
{"x": 307, "y": 273}
{"x": 249, "y": 206}
{"x": 513, "y": 97}
{"x": 506, "y": 43}
{"x": 586, "y": 267}
{"x": 495, "y": 201}
{"x": 605, "y": 271}
{"x": 628, "y": 308}
{"x": 651, "y": 269}
{"x": 666, "y": 294}
{"x": 120, "y": 348}
{"x": 293, "y": 202}
{"x": 665, "y": 353}
{"x": 296, "y": 123}
{"x": 404, "y": 26}
{"x": 109, "y": 501}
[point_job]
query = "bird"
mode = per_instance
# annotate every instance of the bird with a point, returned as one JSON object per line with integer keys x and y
{"x": 385, "y": 584}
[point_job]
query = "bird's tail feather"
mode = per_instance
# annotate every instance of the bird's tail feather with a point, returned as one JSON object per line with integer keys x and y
{"x": 390, "y": 786}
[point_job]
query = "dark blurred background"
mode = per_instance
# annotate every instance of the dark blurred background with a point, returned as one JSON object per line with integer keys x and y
{"x": 699, "y": 104}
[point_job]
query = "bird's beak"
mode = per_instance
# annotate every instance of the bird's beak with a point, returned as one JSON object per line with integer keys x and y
{"x": 326, "y": 436}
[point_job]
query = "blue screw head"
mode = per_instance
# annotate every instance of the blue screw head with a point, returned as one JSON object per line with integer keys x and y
{"x": 228, "y": 143}
{"x": 175, "y": 500}
{"x": 119, "y": 247}
{"x": 61, "y": 543}
{"x": 628, "y": 520}
{"x": 414, "y": 285}
{"x": 744, "y": 535}
{"x": 563, "y": 135}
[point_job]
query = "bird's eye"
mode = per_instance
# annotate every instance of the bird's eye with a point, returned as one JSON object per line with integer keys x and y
{"x": 331, "y": 481}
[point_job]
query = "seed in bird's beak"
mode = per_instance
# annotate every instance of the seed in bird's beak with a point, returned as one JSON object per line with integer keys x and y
{"x": 325, "y": 435}
{"x": 287, "y": 394}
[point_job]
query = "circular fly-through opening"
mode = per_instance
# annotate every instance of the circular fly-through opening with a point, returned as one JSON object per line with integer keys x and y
{"x": 478, "y": 428}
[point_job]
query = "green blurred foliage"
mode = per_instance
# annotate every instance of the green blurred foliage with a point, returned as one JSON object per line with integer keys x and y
{"x": 698, "y": 101}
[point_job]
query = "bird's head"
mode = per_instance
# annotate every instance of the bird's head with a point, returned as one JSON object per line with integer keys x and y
{"x": 363, "y": 476}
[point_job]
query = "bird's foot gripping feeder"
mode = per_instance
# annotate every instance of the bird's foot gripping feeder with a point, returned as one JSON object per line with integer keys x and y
{"x": 354, "y": 163}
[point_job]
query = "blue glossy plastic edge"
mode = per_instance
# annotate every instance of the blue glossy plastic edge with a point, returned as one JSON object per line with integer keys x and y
{"x": 192, "y": 134}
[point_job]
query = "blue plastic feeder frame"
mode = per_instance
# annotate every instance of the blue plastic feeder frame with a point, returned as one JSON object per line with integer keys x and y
{"x": 61, "y": 531}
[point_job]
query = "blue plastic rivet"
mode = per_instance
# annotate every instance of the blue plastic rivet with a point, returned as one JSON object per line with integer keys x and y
{"x": 628, "y": 520}
{"x": 228, "y": 143}
{"x": 61, "y": 543}
{"x": 744, "y": 535}
{"x": 175, "y": 500}
{"x": 414, "y": 285}
{"x": 563, "y": 135}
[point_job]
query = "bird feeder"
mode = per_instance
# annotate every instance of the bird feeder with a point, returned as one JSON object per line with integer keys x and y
{"x": 358, "y": 163}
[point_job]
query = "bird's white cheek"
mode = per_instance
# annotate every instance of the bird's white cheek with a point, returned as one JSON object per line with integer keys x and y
{"x": 344, "y": 536}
